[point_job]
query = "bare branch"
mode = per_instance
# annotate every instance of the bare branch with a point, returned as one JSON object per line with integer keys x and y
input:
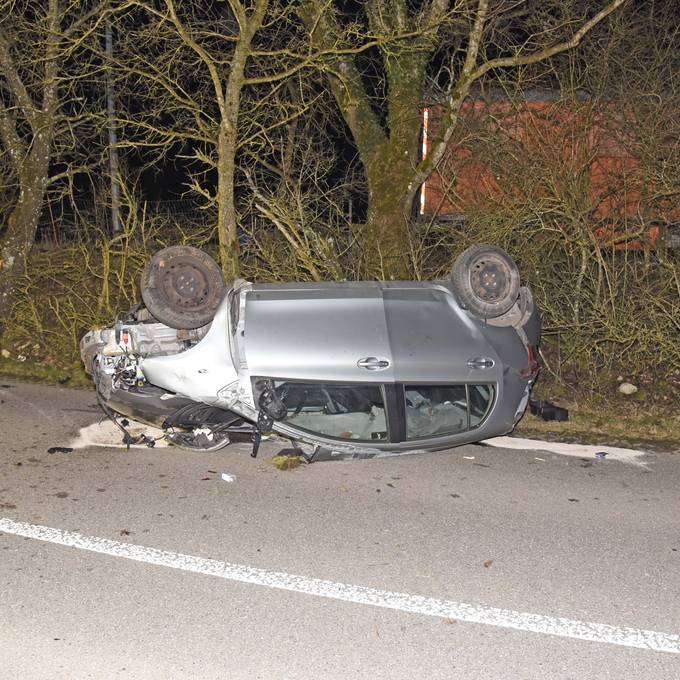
{"x": 204, "y": 56}
{"x": 15, "y": 83}
{"x": 16, "y": 149}
{"x": 542, "y": 55}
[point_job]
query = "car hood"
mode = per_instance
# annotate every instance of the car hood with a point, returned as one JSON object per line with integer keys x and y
{"x": 363, "y": 332}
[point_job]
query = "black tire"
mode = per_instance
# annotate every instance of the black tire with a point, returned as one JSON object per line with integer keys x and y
{"x": 189, "y": 441}
{"x": 182, "y": 287}
{"x": 485, "y": 281}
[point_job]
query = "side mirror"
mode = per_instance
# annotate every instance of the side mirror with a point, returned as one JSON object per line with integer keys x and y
{"x": 269, "y": 402}
{"x": 271, "y": 408}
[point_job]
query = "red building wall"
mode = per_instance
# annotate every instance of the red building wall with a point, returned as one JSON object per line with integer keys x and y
{"x": 578, "y": 155}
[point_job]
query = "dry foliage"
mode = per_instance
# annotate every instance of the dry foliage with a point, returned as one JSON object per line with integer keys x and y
{"x": 625, "y": 318}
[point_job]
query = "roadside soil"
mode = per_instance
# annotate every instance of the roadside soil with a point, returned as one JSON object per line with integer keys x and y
{"x": 603, "y": 415}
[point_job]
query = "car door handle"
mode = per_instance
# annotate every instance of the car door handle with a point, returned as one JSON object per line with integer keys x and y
{"x": 481, "y": 362}
{"x": 373, "y": 363}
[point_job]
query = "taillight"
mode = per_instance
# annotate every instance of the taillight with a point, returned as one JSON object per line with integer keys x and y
{"x": 530, "y": 371}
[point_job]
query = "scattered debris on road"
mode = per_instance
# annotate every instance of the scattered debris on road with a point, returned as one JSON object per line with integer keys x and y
{"x": 548, "y": 411}
{"x": 60, "y": 449}
{"x": 105, "y": 433}
{"x": 226, "y": 477}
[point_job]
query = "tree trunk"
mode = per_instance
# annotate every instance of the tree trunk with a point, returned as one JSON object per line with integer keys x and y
{"x": 385, "y": 237}
{"x": 230, "y": 103}
{"x": 18, "y": 239}
{"x": 226, "y": 208}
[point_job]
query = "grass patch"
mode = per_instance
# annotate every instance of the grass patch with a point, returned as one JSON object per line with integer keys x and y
{"x": 606, "y": 416}
{"x": 31, "y": 371}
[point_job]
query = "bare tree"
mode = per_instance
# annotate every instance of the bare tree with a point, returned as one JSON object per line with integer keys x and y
{"x": 460, "y": 44}
{"x": 298, "y": 182}
{"x": 203, "y": 96}
{"x": 575, "y": 171}
{"x": 40, "y": 113}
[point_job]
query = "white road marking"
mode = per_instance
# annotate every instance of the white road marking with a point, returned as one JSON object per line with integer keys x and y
{"x": 579, "y": 450}
{"x": 416, "y": 604}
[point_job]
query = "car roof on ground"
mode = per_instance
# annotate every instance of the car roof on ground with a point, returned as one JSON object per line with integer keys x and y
{"x": 320, "y": 331}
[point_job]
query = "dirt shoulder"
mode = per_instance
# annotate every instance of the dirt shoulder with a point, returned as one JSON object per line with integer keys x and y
{"x": 605, "y": 416}
{"x": 31, "y": 371}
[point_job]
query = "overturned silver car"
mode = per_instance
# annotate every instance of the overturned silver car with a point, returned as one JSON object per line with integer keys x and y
{"x": 344, "y": 369}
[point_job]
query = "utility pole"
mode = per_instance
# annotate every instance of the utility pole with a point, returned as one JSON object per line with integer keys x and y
{"x": 113, "y": 140}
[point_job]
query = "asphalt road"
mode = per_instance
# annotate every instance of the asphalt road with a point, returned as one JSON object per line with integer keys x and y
{"x": 590, "y": 541}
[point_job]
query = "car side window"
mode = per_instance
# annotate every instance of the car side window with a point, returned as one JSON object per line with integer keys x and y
{"x": 440, "y": 410}
{"x": 342, "y": 411}
{"x": 435, "y": 410}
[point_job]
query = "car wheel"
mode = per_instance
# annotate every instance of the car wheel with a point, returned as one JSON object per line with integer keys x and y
{"x": 182, "y": 287}
{"x": 201, "y": 439}
{"x": 485, "y": 281}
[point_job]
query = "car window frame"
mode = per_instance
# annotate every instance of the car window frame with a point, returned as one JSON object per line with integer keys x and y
{"x": 394, "y": 400}
{"x": 490, "y": 407}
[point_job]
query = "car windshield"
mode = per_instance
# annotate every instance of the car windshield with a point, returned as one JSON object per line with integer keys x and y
{"x": 436, "y": 410}
{"x": 335, "y": 410}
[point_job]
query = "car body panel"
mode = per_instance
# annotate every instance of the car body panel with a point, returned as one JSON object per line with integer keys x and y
{"x": 201, "y": 371}
{"x": 379, "y": 333}
{"x": 316, "y": 332}
{"x": 433, "y": 339}
{"x": 323, "y": 331}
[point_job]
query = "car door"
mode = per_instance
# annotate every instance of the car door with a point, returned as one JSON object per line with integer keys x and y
{"x": 318, "y": 332}
{"x": 432, "y": 340}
